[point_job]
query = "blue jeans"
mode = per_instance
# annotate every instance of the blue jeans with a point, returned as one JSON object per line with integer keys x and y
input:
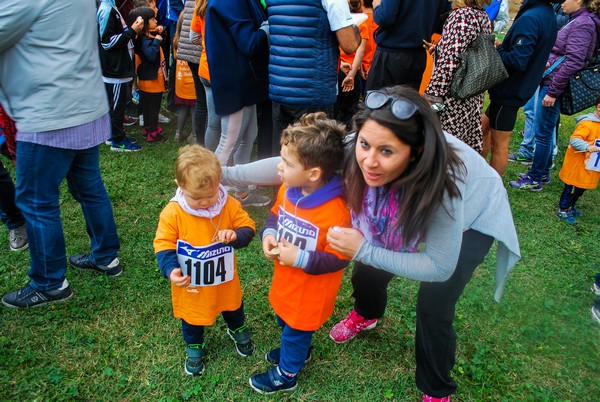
{"x": 295, "y": 345}
{"x": 40, "y": 171}
{"x": 527, "y": 147}
{"x": 545, "y": 122}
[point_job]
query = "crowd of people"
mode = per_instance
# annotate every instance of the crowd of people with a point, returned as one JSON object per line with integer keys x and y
{"x": 398, "y": 184}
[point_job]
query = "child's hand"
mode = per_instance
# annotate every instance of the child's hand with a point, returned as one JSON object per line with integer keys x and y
{"x": 593, "y": 148}
{"x": 178, "y": 279}
{"x": 158, "y": 37}
{"x": 287, "y": 252}
{"x": 138, "y": 24}
{"x": 268, "y": 244}
{"x": 348, "y": 84}
{"x": 159, "y": 30}
{"x": 227, "y": 235}
{"x": 345, "y": 67}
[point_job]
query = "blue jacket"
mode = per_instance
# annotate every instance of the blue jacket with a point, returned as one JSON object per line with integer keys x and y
{"x": 304, "y": 54}
{"x": 238, "y": 54}
{"x": 149, "y": 51}
{"x": 524, "y": 52}
{"x": 404, "y": 24}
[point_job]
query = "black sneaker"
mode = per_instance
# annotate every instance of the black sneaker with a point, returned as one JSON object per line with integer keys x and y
{"x": 82, "y": 261}
{"x": 272, "y": 381}
{"x": 242, "y": 341}
{"x": 193, "y": 362}
{"x": 273, "y": 356}
{"x": 29, "y": 297}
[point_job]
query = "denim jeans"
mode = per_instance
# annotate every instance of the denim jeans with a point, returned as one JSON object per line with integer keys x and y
{"x": 295, "y": 345}
{"x": 40, "y": 171}
{"x": 544, "y": 125}
{"x": 9, "y": 213}
{"x": 527, "y": 147}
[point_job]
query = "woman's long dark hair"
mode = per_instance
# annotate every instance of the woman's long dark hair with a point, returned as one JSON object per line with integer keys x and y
{"x": 431, "y": 174}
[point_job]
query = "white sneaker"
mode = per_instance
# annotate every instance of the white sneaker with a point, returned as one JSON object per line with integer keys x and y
{"x": 163, "y": 119}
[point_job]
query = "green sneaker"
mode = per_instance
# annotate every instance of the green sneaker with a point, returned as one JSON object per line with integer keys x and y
{"x": 242, "y": 340}
{"x": 193, "y": 362}
{"x": 519, "y": 157}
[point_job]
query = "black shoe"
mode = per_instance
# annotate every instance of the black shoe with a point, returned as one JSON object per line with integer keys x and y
{"x": 82, "y": 261}
{"x": 273, "y": 356}
{"x": 272, "y": 381}
{"x": 29, "y": 297}
{"x": 241, "y": 339}
{"x": 194, "y": 365}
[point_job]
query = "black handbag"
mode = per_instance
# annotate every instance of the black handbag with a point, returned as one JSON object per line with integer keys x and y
{"x": 583, "y": 88}
{"x": 479, "y": 69}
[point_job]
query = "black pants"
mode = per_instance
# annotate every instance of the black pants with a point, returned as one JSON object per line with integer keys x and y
{"x": 404, "y": 67}
{"x": 284, "y": 115}
{"x": 150, "y": 102}
{"x": 117, "y": 99}
{"x": 435, "y": 339}
{"x": 194, "y": 334}
{"x": 569, "y": 196}
{"x": 346, "y": 103}
{"x": 200, "y": 110}
{"x": 10, "y": 214}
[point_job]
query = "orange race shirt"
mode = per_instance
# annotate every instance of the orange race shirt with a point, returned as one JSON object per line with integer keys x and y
{"x": 157, "y": 85}
{"x": 184, "y": 81}
{"x": 200, "y": 305}
{"x": 198, "y": 26}
{"x": 306, "y": 301}
{"x": 573, "y": 171}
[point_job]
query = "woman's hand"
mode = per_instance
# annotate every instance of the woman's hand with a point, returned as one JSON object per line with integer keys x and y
{"x": 345, "y": 240}
{"x": 548, "y": 101}
{"x": 178, "y": 279}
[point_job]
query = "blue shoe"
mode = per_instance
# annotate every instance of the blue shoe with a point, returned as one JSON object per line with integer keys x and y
{"x": 273, "y": 356}
{"x": 124, "y": 146}
{"x": 272, "y": 381}
{"x": 526, "y": 183}
{"x": 566, "y": 215}
{"x": 29, "y": 297}
{"x": 576, "y": 213}
{"x": 545, "y": 178}
{"x": 519, "y": 157}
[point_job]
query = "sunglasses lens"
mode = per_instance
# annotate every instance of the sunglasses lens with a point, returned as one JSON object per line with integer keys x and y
{"x": 403, "y": 110}
{"x": 376, "y": 99}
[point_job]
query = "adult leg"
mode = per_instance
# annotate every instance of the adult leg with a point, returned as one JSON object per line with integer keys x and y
{"x": 87, "y": 187}
{"x": 243, "y": 149}
{"x": 397, "y": 68}
{"x": 527, "y": 146}
{"x": 436, "y": 302}
{"x": 40, "y": 171}
{"x": 200, "y": 109}
{"x": 9, "y": 212}
{"x": 370, "y": 290}
{"x": 501, "y": 120}
{"x": 499, "y": 145}
{"x": 266, "y": 143}
{"x": 213, "y": 126}
{"x": 545, "y": 123}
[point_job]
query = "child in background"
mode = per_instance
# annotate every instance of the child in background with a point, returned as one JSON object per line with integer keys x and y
{"x": 185, "y": 93}
{"x": 308, "y": 272}
{"x": 194, "y": 244}
{"x": 583, "y": 146}
{"x": 151, "y": 72}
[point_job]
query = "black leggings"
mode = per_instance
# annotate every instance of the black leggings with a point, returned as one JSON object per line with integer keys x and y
{"x": 569, "y": 196}
{"x": 435, "y": 339}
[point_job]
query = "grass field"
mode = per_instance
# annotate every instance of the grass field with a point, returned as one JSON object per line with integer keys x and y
{"x": 117, "y": 339}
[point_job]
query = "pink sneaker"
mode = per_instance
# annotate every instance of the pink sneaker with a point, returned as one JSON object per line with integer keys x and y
{"x": 350, "y": 326}
{"x": 427, "y": 398}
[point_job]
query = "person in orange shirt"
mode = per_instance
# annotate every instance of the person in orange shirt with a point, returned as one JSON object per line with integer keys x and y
{"x": 151, "y": 71}
{"x": 197, "y": 234}
{"x": 371, "y": 25}
{"x": 349, "y": 75}
{"x": 185, "y": 92}
{"x": 581, "y": 168}
{"x": 308, "y": 272}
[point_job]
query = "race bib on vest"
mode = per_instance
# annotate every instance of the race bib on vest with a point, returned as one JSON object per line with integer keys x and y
{"x": 297, "y": 231}
{"x": 207, "y": 266}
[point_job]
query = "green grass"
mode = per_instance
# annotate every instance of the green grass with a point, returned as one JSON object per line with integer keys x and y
{"x": 117, "y": 339}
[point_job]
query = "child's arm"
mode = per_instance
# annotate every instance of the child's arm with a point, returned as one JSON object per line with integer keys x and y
{"x": 312, "y": 262}
{"x": 268, "y": 234}
{"x": 238, "y": 238}
{"x": 581, "y": 137}
{"x": 167, "y": 262}
{"x": 151, "y": 48}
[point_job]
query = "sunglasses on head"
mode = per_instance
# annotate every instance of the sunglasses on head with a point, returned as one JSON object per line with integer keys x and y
{"x": 402, "y": 109}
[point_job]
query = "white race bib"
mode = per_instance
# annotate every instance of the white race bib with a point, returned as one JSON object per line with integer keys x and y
{"x": 297, "y": 231}
{"x": 593, "y": 162}
{"x": 207, "y": 266}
